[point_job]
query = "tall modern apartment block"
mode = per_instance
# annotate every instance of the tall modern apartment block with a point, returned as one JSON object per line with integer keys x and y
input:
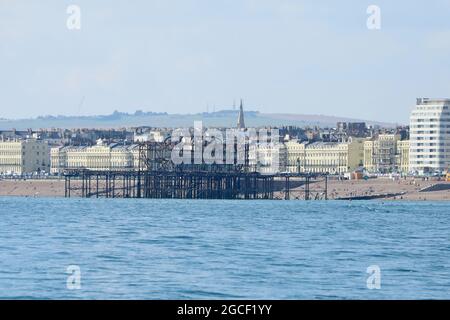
{"x": 430, "y": 136}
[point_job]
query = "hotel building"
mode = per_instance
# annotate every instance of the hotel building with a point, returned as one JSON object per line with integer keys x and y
{"x": 268, "y": 158}
{"x": 24, "y": 156}
{"x": 101, "y": 157}
{"x": 386, "y": 153}
{"x": 325, "y": 157}
{"x": 430, "y": 136}
{"x": 402, "y": 157}
{"x": 380, "y": 153}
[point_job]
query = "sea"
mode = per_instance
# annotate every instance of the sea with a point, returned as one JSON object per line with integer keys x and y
{"x": 56, "y": 248}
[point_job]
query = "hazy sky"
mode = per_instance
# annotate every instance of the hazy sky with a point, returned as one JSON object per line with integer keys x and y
{"x": 178, "y": 56}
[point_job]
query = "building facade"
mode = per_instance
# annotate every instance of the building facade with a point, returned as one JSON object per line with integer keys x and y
{"x": 380, "y": 153}
{"x": 268, "y": 158}
{"x": 402, "y": 157}
{"x": 101, "y": 157}
{"x": 325, "y": 157}
{"x": 430, "y": 136}
{"x": 353, "y": 129}
{"x": 19, "y": 157}
{"x": 295, "y": 156}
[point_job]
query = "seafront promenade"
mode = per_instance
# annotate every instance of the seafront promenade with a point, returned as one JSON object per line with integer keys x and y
{"x": 407, "y": 189}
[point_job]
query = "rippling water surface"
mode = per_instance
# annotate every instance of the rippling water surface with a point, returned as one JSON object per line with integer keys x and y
{"x": 182, "y": 249}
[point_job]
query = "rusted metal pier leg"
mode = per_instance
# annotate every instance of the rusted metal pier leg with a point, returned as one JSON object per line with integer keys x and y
{"x": 65, "y": 186}
{"x": 127, "y": 186}
{"x": 69, "y": 186}
{"x": 96, "y": 187}
{"x": 271, "y": 187}
{"x": 307, "y": 179}
{"x": 287, "y": 189}
{"x": 89, "y": 187}
{"x": 83, "y": 178}
{"x": 107, "y": 185}
{"x": 247, "y": 187}
{"x": 139, "y": 184}
{"x": 113, "y": 189}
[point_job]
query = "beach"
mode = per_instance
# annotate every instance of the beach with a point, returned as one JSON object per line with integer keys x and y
{"x": 403, "y": 189}
{"x": 32, "y": 188}
{"x": 410, "y": 189}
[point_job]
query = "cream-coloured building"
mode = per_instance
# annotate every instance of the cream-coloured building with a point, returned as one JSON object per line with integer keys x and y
{"x": 386, "y": 153}
{"x": 101, "y": 157}
{"x": 295, "y": 156}
{"x": 24, "y": 156}
{"x": 379, "y": 153}
{"x": 325, "y": 157}
{"x": 402, "y": 156}
{"x": 268, "y": 158}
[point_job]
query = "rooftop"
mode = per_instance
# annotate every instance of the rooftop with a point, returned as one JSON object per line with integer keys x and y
{"x": 427, "y": 101}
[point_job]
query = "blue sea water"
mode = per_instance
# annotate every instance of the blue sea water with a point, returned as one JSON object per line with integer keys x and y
{"x": 183, "y": 249}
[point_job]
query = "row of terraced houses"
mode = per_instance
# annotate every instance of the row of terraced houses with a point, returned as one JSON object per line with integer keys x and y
{"x": 426, "y": 151}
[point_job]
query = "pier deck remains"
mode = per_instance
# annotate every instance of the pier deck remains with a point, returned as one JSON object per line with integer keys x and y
{"x": 158, "y": 178}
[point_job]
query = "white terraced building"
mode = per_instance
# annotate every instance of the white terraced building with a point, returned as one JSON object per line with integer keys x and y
{"x": 430, "y": 136}
{"x": 24, "y": 156}
{"x": 101, "y": 157}
{"x": 325, "y": 157}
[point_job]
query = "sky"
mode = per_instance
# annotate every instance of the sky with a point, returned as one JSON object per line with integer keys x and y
{"x": 189, "y": 56}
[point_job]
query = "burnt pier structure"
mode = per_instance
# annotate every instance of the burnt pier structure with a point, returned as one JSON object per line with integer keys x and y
{"x": 194, "y": 185}
{"x": 157, "y": 177}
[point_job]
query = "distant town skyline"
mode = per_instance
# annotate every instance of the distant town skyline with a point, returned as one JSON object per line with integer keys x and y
{"x": 280, "y": 56}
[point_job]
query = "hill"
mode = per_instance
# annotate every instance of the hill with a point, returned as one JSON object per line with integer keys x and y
{"x": 224, "y": 118}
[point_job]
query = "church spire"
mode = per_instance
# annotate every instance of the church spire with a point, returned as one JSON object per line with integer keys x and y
{"x": 241, "y": 123}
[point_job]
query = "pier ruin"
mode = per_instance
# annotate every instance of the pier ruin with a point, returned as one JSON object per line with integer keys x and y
{"x": 158, "y": 178}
